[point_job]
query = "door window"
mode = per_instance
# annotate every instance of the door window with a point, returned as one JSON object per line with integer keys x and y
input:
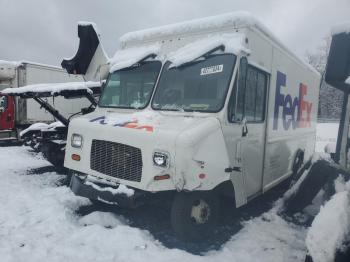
{"x": 248, "y": 98}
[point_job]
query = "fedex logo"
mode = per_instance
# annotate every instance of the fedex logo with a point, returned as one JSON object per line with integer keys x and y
{"x": 296, "y": 112}
{"x": 132, "y": 123}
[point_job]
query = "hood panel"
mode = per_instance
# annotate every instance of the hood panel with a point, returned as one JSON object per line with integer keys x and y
{"x": 150, "y": 131}
{"x": 146, "y": 121}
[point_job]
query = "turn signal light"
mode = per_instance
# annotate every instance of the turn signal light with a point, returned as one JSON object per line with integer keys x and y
{"x": 76, "y": 157}
{"x": 162, "y": 177}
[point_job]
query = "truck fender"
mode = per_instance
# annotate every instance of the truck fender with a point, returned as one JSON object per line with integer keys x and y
{"x": 226, "y": 189}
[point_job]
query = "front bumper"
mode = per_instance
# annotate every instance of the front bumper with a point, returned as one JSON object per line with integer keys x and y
{"x": 104, "y": 193}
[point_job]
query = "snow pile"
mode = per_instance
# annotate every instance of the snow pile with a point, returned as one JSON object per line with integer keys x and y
{"x": 341, "y": 28}
{"x": 265, "y": 238}
{"x": 39, "y": 223}
{"x": 340, "y": 185}
{"x": 232, "y": 43}
{"x": 33, "y": 127}
{"x": 347, "y": 81}
{"x": 122, "y": 189}
{"x": 55, "y": 124}
{"x": 104, "y": 219}
{"x": 326, "y": 134}
{"x": 330, "y": 228}
{"x": 124, "y": 58}
{"x": 41, "y": 126}
{"x": 52, "y": 88}
{"x": 330, "y": 148}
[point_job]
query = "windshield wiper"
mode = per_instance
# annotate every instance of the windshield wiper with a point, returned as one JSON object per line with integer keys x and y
{"x": 202, "y": 57}
{"x": 148, "y": 56}
{"x": 220, "y": 47}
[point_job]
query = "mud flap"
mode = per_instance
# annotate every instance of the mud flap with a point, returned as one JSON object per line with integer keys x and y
{"x": 90, "y": 59}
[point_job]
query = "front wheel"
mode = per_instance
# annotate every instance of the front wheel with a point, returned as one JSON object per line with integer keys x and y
{"x": 194, "y": 215}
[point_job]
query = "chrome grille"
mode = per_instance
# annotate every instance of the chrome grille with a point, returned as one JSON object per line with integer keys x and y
{"x": 116, "y": 160}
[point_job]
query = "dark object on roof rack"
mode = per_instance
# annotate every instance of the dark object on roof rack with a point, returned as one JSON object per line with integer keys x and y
{"x": 88, "y": 44}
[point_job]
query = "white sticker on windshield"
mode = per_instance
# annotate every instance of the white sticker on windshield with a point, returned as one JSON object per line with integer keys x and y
{"x": 212, "y": 70}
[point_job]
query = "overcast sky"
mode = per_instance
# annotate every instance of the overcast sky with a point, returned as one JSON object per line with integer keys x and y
{"x": 46, "y": 30}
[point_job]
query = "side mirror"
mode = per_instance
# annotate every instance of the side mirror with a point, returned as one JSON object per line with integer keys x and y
{"x": 338, "y": 62}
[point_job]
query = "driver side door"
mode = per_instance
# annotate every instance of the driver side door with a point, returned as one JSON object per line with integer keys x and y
{"x": 246, "y": 127}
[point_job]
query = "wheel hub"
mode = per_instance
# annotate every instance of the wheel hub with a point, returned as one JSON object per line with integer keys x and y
{"x": 200, "y": 212}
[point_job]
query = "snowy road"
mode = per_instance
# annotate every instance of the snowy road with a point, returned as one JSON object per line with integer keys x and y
{"x": 43, "y": 221}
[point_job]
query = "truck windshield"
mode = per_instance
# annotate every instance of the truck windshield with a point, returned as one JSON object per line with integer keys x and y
{"x": 198, "y": 86}
{"x": 131, "y": 87}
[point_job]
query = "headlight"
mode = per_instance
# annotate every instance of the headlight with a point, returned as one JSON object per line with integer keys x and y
{"x": 77, "y": 141}
{"x": 161, "y": 159}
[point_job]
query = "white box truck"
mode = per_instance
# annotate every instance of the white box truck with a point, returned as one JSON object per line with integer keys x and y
{"x": 17, "y": 114}
{"x": 203, "y": 109}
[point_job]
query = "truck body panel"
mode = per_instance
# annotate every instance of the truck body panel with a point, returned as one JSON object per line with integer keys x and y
{"x": 251, "y": 141}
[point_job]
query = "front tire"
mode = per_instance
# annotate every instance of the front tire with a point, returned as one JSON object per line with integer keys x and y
{"x": 194, "y": 215}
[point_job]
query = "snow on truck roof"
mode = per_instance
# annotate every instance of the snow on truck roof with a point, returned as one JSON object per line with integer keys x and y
{"x": 208, "y": 25}
{"x": 52, "y": 88}
{"x": 15, "y": 64}
{"x": 9, "y": 64}
{"x": 197, "y": 26}
{"x": 123, "y": 58}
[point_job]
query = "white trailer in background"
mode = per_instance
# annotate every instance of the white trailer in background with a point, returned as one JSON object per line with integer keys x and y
{"x": 16, "y": 113}
{"x": 51, "y": 139}
{"x": 204, "y": 109}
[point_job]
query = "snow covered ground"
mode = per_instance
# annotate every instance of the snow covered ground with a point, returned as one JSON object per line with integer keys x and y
{"x": 41, "y": 220}
{"x": 326, "y": 134}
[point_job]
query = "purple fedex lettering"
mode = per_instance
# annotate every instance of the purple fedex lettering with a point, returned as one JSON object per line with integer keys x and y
{"x": 293, "y": 109}
{"x": 100, "y": 119}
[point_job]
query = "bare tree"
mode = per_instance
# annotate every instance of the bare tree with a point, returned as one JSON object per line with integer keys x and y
{"x": 330, "y": 99}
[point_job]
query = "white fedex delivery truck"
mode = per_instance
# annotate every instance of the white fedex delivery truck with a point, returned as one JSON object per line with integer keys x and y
{"x": 203, "y": 109}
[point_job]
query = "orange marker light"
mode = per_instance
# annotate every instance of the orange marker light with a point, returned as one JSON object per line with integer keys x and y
{"x": 162, "y": 177}
{"x": 76, "y": 157}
